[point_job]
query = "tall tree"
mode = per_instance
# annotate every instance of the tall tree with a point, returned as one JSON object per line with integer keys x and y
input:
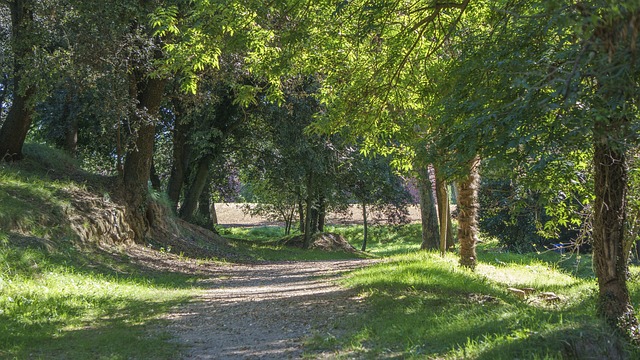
{"x": 16, "y": 126}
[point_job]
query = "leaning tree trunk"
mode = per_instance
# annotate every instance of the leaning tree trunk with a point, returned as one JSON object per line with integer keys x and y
{"x": 16, "y": 126}
{"x": 137, "y": 166}
{"x": 430, "y": 229}
{"x": 609, "y": 260}
{"x": 467, "y": 214}
{"x": 444, "y": 214}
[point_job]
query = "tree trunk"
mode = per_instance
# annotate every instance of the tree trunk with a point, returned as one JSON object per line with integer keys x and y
{"x": 71, "y": 130}
{"x": 467, "y": 214}
{"x": 430, "y": 228}
{"x": 322, "y": 213}
{"x": 443, "y": 210}
{"x": 365, "y": 226}
{"x": 301, "y": 214}
{"x": 214, "y": 213}
{"x": 137, "y": 165}
{"x": 180, "y": 157}
{"x": 192, "y": 195}
{"x": 307, "y": 223}
{"x": 204, "y": 204}
{"x": 16, "y": 126}
{"x": 609, "y": 260}
{"x": 153, "y": 176}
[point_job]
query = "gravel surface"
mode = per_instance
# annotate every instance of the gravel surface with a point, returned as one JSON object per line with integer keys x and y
{"x": 265, "y": 311}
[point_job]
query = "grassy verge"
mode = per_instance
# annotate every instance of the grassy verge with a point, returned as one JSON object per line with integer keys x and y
{"x": 422, "y": 305}
{"x": 63, "y": 304}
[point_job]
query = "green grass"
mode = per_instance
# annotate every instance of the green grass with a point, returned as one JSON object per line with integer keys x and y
{"x": 261, "y": 244}
{"x": 64, "y": 303}
{"x": 383, "y": 240}
{"x": 422, "y": 305}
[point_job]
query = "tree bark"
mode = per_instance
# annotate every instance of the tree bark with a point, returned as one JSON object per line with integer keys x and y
{"x": 180, "y": 156}
{"x": 428, "y": 213}
{"x": 609, "y": 260}
{"x": 443, "y": 210}
{"x": 153, "y": 176}
{"x": 322, "y": 214}
{"x": 204, "y": 204}
{"x": 16, "y": 126}
{"x": 365, "y": 226}
{"x": 307, "y": 224}
{"x": 137, "y": 165}
{"x": 467, "y": 214}
{"x": 192, "y": 195}
{"x": 301, "y": 215}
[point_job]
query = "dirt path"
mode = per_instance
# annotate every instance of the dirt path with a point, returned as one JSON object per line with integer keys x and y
{"x": 265, "y": 311}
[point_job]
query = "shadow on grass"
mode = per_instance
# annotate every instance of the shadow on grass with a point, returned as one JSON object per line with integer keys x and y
{"x": 424, "y": 308}
{"x": 114, "y": 328}
{"x": 30, "y": 257}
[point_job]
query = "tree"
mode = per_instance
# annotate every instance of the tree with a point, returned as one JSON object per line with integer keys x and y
{"x": 372, "y": 183}
{"x": 16, "y": 126}
{"x": 429, "y": 216}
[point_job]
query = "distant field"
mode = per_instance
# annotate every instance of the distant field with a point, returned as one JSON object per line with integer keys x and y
{"x": 231, "y": 214}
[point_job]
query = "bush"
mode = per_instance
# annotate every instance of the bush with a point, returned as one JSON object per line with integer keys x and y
{"x": 511, "y": 215}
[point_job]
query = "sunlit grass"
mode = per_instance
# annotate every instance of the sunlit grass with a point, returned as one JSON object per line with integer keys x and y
{"x": 422, "y": 305}
{"x": 52, "y": 307}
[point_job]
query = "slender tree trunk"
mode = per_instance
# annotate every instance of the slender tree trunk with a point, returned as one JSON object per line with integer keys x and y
{"x": 301, "y": 215}
{"x": 137, "y": 165}
{"x": 16, "y": 126}
{"x": 365, "y": 226}
{"x": 609, "y": 260}
{"x": 450, "y": 245}
{"x": 467, "y": 214}
{"x": 195, "y": 189}
{"x": 443, "y": 210}
{"x": 430, "y": 228}
{"x": 307, "y": 224}
{"x": 322, "y": 208}
{"x": 3, "y": 94}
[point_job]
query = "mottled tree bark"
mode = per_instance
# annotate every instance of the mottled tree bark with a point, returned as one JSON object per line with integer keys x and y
{"x": 609, "y": 259}
{"x": 137, "y": 165}
{"x": 467, "y": 214}
{"x": 429, "y": 215}
{"x": 16, "y": 126}
{"x": 444, "y": 212}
